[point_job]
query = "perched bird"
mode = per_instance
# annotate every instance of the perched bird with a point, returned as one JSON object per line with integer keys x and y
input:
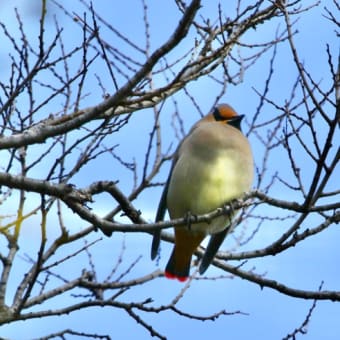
{"x": 212, "y": 166}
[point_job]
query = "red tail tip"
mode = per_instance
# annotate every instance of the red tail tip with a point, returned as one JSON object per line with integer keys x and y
{"x": 173, "y": 276}
{"x": 181, "y": 278}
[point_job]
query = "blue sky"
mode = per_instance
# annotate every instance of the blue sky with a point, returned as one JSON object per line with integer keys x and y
{"x": 266, "y": 313}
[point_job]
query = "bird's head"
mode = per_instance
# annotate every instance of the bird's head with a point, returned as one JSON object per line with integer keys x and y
{"x": 225, "y": 114}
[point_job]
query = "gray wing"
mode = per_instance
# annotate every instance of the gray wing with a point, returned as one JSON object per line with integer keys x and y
{"x": 162, "y": 206}
{"x": 214, "y": 243}
{"x": 159, "y": 217}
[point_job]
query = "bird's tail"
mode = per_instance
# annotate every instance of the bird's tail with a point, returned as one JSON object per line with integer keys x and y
{"x": 175, "y": 270}
{"x": 186, "y": 242}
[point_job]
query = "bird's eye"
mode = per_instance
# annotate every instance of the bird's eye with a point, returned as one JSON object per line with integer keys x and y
{"x": 217, "y": 114}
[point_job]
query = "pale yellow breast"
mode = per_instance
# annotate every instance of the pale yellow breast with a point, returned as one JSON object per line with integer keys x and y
{"x": 214, "y": 166}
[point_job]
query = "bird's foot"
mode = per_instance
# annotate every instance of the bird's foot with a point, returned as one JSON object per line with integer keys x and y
{"x": 189, "y": 219}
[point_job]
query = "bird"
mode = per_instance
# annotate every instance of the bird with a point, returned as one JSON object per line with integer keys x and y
{"x": 212, "y": 166}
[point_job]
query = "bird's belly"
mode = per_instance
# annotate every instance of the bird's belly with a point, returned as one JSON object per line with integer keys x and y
{"x": 216, "y": 225}
{"x": 198, "y": 188}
